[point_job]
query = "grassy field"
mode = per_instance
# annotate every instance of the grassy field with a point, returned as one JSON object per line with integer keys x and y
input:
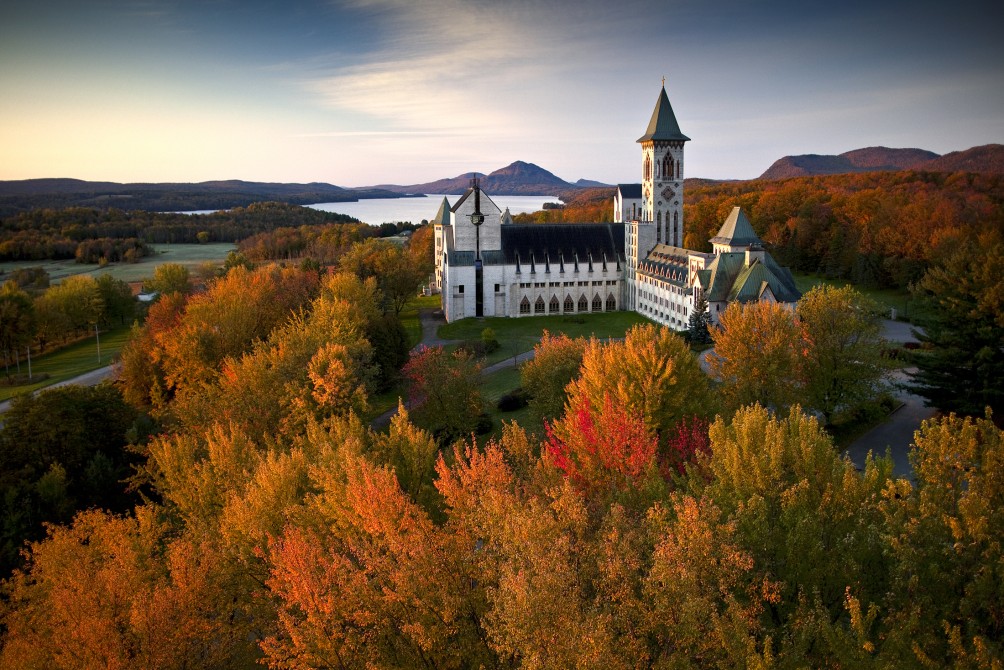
{"x": 69, "y": 362}
{"x": 898, "y": 299}
{"x": 189, "y": 255}
{"x": 518, "y": 335}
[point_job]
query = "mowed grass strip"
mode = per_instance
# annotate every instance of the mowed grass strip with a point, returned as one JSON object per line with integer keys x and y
{"x": 70, "y": 361}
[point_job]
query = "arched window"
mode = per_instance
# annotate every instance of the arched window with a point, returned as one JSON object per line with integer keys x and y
{"x": 658, "y": 228}
{"x": 597, "y": 303}
{"x": 524, "y": 306}
{"x": 611, "y": 303}
{"x": 647, "y": 168}
{"x": 676, "y": 228}
{"x": 553, "y": 306}
{"x": 538, "y": 307}
{"x": 569, "y": 304}
{"x": 583, "y": 304}
{"x": 667, "y": 166}
{"x": 679, "y": 170}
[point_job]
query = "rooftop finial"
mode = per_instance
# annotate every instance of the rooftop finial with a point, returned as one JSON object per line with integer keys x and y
{"x": 664, "y": 81}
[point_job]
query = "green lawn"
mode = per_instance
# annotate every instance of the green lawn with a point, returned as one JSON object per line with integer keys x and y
{"x": 890, "y": 298}
{"x": 518, "y": 335}
{"x": 71, "y": 361}
{"x": 189, "y": 255}
{"x": 409, "y": 316}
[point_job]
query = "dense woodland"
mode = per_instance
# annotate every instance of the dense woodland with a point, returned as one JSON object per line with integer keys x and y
{"x": 877, "y": 228}
{"x": 82, "y": 233}
{"x": 661, "y": 518}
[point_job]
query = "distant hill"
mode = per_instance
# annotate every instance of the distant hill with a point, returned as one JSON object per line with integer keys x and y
{"x": 28, "y": 194}
{"x": 519, "y": 178}
{"x": 988, "y": 158}
{"x": 589, "y": 183}
{"x": 870, "y": 159}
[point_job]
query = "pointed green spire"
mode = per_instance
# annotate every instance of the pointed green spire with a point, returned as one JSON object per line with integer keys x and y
{"x": 443, "y": 215}
{"x": 663, "y": 125}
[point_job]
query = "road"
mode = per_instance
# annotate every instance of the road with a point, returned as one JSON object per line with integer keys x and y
{"x": 92, "y": 378}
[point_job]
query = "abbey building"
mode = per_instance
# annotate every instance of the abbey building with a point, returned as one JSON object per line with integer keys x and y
{"x": 486, "y": 265}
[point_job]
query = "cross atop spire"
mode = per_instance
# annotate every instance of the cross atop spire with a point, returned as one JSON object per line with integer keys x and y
{"x": 664, "y": 81}
{"x": 663, "y": 125}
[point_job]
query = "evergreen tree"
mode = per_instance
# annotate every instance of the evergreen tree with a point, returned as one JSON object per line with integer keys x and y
{"x": 964, "y": 300}
{"x": 700, "y": 320}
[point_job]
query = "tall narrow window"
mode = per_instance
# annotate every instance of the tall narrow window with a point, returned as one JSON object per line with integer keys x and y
{"x": 569, "y": 304}
{"x": 524, "y": 306}
{"x": 597, "y": 303}
{"x": 583, "y": 304}
{"x": 554, "y": 305}
{"x": 611, "y": 303}
{"x": 538, "y": 307}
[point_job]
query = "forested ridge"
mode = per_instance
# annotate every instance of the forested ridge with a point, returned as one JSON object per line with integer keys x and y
{"x": 68, "y": 233}
{"x": 877, "y": 228}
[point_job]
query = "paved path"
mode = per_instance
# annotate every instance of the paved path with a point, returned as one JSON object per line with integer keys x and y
{"x": 896, "y": 434}
{"x": 92, "y": 378}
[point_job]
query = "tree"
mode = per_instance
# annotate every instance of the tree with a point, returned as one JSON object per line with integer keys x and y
{"x": 77, "y": 302}
{"x": 168, "y": 278}
{"x": 700, "y": 321}
{"x": 444, "y": 392}
{"x": 963, "y": 303}
{"x": 757, "y": 356}
{"x": 17, "y": 321}
{"x": 118, "y": 299}
{"x": 843, "y": 364}
{"x": 652, "y": 372}
{"x": 556, "y": 361}
{"x": 398, "y": 274}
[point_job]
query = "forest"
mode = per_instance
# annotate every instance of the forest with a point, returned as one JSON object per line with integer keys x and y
{"x": 881, "y": 229}
{"x": 661, "y": 518}
{"x": 90, "y": 234}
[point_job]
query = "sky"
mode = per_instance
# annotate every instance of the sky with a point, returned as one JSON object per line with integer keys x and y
{"x": 363, "y": 92}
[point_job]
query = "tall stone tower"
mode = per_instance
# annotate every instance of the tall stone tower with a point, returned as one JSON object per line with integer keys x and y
{"x": 662, "y": 172}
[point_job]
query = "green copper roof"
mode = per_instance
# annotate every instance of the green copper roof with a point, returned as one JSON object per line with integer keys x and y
{"x": 663, "y": 125}
{"x": 443, "y": 215}
{"x": 736, "y": 231}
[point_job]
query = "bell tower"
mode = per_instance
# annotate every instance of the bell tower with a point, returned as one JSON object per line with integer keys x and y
{"x": 662, "y": 172}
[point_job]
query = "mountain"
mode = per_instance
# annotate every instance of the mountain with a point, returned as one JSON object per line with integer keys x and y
{"x": 987, "y": 158}
{"x": 589, "y": 183}
{"x": 519, "y": 178}
{"x": 869, "y": 159}
{"x": 33, "y": 193}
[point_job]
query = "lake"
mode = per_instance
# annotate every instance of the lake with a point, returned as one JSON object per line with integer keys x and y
{"x": 381, "y": 210}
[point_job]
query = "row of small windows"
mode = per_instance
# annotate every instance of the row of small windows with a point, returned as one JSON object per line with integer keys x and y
{"x": 558, "y": 284}
{"x": 554, "y": 306}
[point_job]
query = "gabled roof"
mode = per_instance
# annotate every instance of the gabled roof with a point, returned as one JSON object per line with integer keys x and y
{"x": 484, "y": 198}
{"x": 443, "y": 215}
{"x": 630, "y": 191}
{"x": 663, "y": 125}
{"x": 755, "y": 279}
{"x": 737, "y": 231}
{"x": 506, "y": 217}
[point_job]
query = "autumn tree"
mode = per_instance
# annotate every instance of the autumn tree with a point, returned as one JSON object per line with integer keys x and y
{"x": 398, "y": 273}
{"x": 556, "y": 361}
{"x": 700, "y": 321}
{"x": 843, "y": 364}
{"x": 444, "y": 392}
{"x": 169, "y": 278}
{"x": 757, "y": 356}
{"x": 17, "y": 322}
{"x": 963, "y": 301}
{"x": 652, "y": 372}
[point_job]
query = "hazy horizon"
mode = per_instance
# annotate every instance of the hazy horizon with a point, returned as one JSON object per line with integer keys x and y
{"x": 364, "y": 92}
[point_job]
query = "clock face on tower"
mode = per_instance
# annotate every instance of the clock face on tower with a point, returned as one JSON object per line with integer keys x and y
{"x": 668, "y": 193}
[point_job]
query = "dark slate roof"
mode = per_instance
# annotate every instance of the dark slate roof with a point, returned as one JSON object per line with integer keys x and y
{"x": 663, "y": 125}
{"x": 666, "y": 263}
{"x": 630, "y": 191}
{"x": 459, "y": 258}
{"x": 737, "y": 231}
{"x": 557, "y": 243}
